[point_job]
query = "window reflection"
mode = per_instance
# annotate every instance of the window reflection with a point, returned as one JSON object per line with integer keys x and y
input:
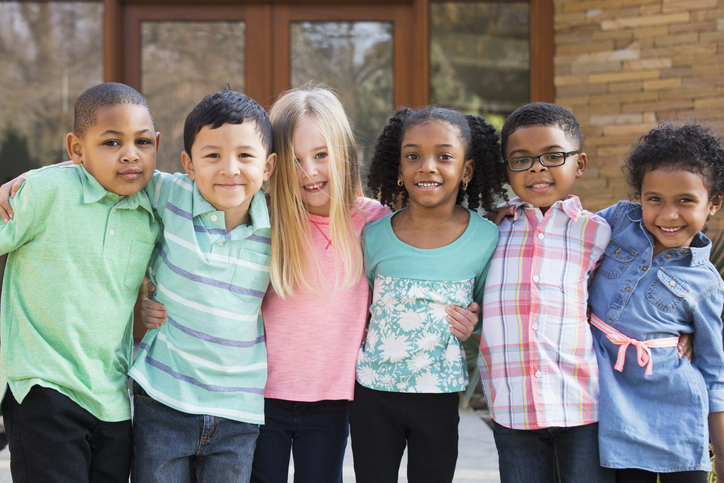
{"x": 181, "y": 63}
{"x": 49, "y": 54}
{"x": 480, "y": 57}
{"x": 355, "y": 59}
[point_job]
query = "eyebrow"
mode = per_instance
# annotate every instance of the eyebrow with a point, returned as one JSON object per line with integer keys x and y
{"x": 547, "y": 149}
{"x": 411, "y": 145}
{"x": 677, "y": 195}
{"x": 119, "y": 133}
{"x": 216, "y": 147}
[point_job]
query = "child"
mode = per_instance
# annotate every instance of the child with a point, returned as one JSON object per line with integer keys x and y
{"x": 199, "y": 379}
{"x": 537, "y": 362}
{"x": 78, "y": 249}
{"x": 655, "y": 283}
{"x": 314, "y": 317}
{"x": 420, "y": 260}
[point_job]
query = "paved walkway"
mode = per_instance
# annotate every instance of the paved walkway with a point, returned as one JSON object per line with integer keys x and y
{"x": 477, "y": 461}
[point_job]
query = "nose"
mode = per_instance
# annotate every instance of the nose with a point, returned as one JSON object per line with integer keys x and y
{"x": 129, "y": 154}
{"x": 428, "y": 164}
{"x": 537, "y": 167}
{"x": 669, "y": 212}
{"x": 230, "y": 166}
{"x": 308, "y": 167}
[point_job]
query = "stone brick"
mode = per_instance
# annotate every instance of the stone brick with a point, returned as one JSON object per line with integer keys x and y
{"x": 690, "y": 60}
{"x": 663, "y": 84}
{"x": 624, "y": 97}
{"x": 650, "y": 10}
{"x": 566, "y": 80}
{"x": 659, "y": 31}
{"x": 610, "y": 108}
{"x": 677, "y": 51}
{"x": 709, "y": 103}
{"x": 677, "y": 72}
{"x": 571, "y": 90}
{"x": 708, "y": 69}
{"x": 635, "y": 86}
{"x": 681, "y": 39}
{"x": 648, "y": 64}
{"x": 711, "y": 37}
{"x": 679, "y": 5}
{"x": 584, "y": 69}
{"x": 702, "y": 81}
{"x": 658, "y": 105}
{"x": 560, "y": 18}
{"x": 690, "y": 93}
{"x": 623, "y": 76}
{"x": 585, "y": 48}
{"x": 608, "y": 141}
{"x": 612, "y": 35}
{"x": 599, "y": 15}
{"x": 707, "y": 26}
{"x": 648, "y": 21}
{"x": 603, "y": 120}
{"x": 626, "y": 129}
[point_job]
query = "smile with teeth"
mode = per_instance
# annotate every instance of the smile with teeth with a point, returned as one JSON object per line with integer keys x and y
{"x": 317, "y": 186}
{"x": 669, "y": 230}
{"x": 427, "y": 184}
{"x": 540, "y": 185}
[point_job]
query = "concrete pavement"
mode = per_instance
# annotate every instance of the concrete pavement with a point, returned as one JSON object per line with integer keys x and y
{"x": 477, "y": 460}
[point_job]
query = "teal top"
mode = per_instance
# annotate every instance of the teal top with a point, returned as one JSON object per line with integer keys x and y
{"x": 409, "y": 346}
{"x": 210, "y": 356}
{"x": 77, "y": 257}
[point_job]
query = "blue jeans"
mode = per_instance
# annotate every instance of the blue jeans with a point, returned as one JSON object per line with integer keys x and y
{"x": 566, "y": 455}
{"x": 316, "y": 433}
{"x": 170, "y": 445}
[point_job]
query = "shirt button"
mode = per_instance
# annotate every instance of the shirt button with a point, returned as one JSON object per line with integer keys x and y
{"x": 114, "y": 210}
{"x": 644, "y": 268}
{"x": 113, "y": 233}
{"x": 685, "y": 251}
{"x": 628, "y": 288}
{"x": 536, "y": 278}
{"x": 535, "y": 326}
{"x": 672, "y": 283}
{"x": 214, "y": 217}
{"x": 668, "y": 255}
{"x": 618, "y": 250}
{"x": 538, "y": 374}
{"x": 541, "y": 236}
{"x": 220, "y": 244}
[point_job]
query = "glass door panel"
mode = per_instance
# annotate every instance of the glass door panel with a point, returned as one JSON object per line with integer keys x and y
{"x": 480, "y": 57}
{"x": 355, "y": 59}
{"x": 181, "y": 62}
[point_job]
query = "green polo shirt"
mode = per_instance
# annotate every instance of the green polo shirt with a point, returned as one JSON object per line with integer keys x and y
{"x": 77, "y": 257}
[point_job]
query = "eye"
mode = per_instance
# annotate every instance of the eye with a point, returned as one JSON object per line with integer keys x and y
{"x": 320, "y": 156}
{"x": 245, "y": 155}
{"x": 111, "y": 142}
{"x": 520, "y": 161}
{"x": 143, "y": 141}
{"x": 411, "y": 156}
{"x": 212, "y": 155}
{"x": 445, "y": 157}
{"x": 553, "y": 156}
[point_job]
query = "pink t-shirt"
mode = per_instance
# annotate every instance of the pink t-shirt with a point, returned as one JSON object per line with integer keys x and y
{"x": 312, "y": 342}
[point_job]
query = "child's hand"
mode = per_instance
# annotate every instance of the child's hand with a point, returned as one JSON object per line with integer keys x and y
{"x": 686, "y": 346}
{"x": 153, "y": 313}
{"x": 462, "y": 321}
{"x": 8, "y": 191}
{"x": 719, "y": 468}
{"x": 502, "y": 214}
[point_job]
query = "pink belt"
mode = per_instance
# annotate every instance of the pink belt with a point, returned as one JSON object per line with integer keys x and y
{"x": 642, "y": 347}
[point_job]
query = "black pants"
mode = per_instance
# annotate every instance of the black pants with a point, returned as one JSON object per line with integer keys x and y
{"x": 641, "y": 476}
{"x": 381, "y": 423}
{"x": 54, "y": 439}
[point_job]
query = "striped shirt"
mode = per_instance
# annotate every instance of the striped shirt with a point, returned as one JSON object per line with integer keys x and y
{"x": 537, "y": 361}
{"x": 209, "y": 358}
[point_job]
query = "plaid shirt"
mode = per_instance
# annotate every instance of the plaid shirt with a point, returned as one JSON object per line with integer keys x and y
{"x": 537, "y": 361}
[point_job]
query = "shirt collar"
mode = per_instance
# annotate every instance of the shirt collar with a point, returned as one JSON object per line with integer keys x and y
{"x": 571, "y": 206}
{"x": 258, "y": 211}
{"x": 94, "y": 192}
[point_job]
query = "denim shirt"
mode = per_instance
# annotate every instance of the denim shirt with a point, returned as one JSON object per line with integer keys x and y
{"x": 657, "y": 422}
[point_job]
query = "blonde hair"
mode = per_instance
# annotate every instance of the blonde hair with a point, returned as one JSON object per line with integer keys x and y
{"x": 290, "y": 230}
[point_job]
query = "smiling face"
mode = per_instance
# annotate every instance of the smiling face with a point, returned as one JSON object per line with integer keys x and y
{"x": 312, "y": 167}
{"x": 539, "y": 185}
{"x": 433, "y": 165}
{"x": 119, "y": 150}
{"x": 676, "y": 206}
{"x": 229, "y": 164}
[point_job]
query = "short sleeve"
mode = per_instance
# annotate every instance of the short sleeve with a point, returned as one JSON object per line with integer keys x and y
{"x": 19, "y": 230}
{"x": 708, "y": 348}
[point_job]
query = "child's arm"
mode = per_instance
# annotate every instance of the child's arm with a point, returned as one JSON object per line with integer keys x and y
{"x": 153, "y": 313}
{"x": 463, "y": 321}
{"x": 716, "y": 435}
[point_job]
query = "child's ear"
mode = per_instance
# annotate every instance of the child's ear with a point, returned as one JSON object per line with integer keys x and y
{"x": 271, "y": 163}
{"x": 468, "y": 170}
{"x": 188, "y": 165}
{"x": 715, "y": 204}
{"x": 582, "y": 162}
{"x": 74, "y": 146}
{"x": 158, "y": 141}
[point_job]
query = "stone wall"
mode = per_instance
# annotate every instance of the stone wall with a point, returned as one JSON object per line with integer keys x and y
{"x": 623, "y": 66}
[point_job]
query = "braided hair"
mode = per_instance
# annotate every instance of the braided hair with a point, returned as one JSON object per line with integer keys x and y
{"x": 481, "y": 145}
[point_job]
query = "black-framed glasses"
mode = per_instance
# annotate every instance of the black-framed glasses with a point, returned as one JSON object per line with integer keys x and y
{"x": 549, "y": 160}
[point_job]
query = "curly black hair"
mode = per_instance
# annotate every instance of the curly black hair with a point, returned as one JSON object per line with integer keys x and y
{"x": 542, "y": 114}
{"x": 486, "y": 187}
{"x": 690, "y": 147}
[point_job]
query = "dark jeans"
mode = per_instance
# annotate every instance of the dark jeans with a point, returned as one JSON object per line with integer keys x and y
{"x": 566, "y": 455}
{"x": 171, "y": 446}
{"x": 54, "y": 439}
{"x": 640, "y": 476}
{"x": 314, "y": 432}
{"x": 381, "y": 423}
